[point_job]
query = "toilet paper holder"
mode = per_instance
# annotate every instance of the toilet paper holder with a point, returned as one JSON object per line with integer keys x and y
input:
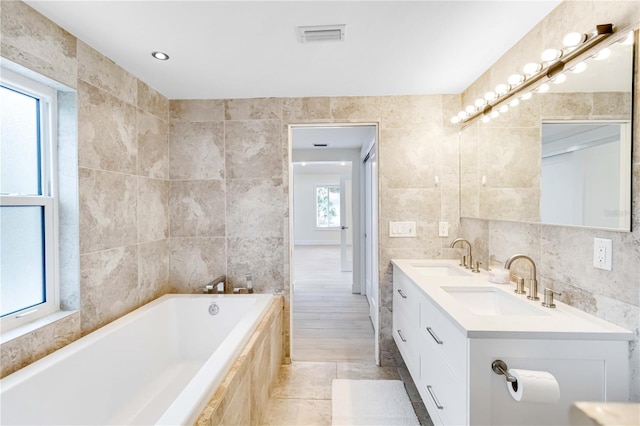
{"x": 500, "y": 367}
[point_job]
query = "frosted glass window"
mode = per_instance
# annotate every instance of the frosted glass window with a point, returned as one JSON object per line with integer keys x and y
{"x": 21, "y": 258}
{"x": 28, "y": 206}
{"x": 20, "y": 147}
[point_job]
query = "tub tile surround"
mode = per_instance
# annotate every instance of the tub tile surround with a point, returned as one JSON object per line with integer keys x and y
{"x": 242, "y": 397}
{"x": 563, "y": 255}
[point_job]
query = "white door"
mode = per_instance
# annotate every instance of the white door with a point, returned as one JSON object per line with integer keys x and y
{"x": 371, "y": 240}
{"x": 346, "y": 228}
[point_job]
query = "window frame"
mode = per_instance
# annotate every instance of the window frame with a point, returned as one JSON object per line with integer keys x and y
{"x": 48, "y": 199}
{"x": 328, "y": 227}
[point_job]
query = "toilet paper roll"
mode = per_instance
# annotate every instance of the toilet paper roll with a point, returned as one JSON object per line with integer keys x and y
{"x": 534, "y": 386}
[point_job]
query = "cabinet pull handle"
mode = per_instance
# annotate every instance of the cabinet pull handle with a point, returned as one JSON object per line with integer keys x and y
{"x": 402, "y": 294}
{"x": 438, "y": 341}
{"x": 433, "y": 396}
{"x": 401, "y": 336}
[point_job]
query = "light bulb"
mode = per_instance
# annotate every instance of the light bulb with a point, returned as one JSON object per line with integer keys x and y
{"x": 503, "y": 109}
{"x": 603, "y": 54}
{"x": 455, "y": 119}
{"x": 501, "y": 89}
{"x": 490, "y": 96}
{"x": 494, "y": 114}
{"x": 463, "y": 114}
{"x": 486, "y": 119}
{"x": 515, "y": 79}
{"x": 470, "y": 109}
{"x": 531, "y": 68}
{"x": 580, "y": 66}
{"x": 514, "y": 103}
{"x": 574, "y": 39}
{"x": 480, "y": 103}
{"x": 559, "y": 79}
{"x": 551, "y": 55}
{"x": 526, "y": 96}
{"x": 543, "y": 88}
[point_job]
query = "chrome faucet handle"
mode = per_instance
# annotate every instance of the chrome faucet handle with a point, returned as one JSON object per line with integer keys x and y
{"x": 463, "y": 261}
{"x": 533, "y": 289}
{"x": 548, "y": 298}
{"x": 477, "y": 270}
{"x": 519, "y": 286}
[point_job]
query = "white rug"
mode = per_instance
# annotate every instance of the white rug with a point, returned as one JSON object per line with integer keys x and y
{"x": 371, "y": 402}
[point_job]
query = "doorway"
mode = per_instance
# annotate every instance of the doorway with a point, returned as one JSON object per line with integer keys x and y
{"x": 330, "y": 313}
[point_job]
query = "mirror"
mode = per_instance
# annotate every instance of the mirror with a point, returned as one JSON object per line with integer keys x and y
{"x": 562, "y": 157}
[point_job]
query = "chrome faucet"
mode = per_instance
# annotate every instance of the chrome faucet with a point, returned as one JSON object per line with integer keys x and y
{"x": 212, "y": 287}
{"x": 533, "y": 282}
{"x": 463, "y": 260}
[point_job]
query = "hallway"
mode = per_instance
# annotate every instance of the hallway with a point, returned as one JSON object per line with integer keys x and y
{"x": 329, "y": 322}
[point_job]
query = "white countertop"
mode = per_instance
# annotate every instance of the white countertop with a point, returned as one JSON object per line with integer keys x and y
{"x": 562, "y": 322}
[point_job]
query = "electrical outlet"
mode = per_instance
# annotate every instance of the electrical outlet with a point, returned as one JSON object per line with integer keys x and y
{"x": 443, "y": 229}
{"x": 602, "y": 253}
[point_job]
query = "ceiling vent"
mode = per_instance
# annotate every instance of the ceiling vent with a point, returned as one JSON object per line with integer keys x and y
{"x": 320, "y": 33}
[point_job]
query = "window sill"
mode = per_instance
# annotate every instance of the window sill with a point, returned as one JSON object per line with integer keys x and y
{"x": 22, "y": 330}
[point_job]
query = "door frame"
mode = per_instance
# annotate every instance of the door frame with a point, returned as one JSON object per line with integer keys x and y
{"x": 358, "y": 249}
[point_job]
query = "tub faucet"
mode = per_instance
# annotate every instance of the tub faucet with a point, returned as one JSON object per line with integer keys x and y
{"x": 463, "y": 260}
{"x": 213, "y": 286}
{"x": 533, "y": 282}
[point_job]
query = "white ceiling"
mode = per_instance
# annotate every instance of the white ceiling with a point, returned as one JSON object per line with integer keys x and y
{"x": 322, "y": 168}
{"x": 336, "y": 137}
{"x": 241, "y": 49}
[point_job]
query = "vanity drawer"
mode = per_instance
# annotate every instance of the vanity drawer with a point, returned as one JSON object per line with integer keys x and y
{"x": 407, "y": 340}
{"x": 406, "y": 297}
{"x": 444, "y": 394}
{"x": 438, "y": 333}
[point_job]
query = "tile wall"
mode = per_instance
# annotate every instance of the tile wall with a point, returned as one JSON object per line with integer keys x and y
{"x": 237, "y": 152}
{"x": 122, "y": 166}
{"x": 564, "y": 254}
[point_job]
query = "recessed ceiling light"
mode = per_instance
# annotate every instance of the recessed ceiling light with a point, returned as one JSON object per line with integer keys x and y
{"x": 161, "y": 56}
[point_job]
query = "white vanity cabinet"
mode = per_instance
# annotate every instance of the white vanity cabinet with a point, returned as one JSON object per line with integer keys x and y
{"x": 449, "y": 352}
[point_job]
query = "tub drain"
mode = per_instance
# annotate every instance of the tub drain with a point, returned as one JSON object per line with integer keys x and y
{"x": 214, "y": 309}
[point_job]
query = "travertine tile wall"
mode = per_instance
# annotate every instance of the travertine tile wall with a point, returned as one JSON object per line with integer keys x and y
{"x": 564, "y": 254}
{"x": 123, "y": 189}
{"x": 236, "y": 152}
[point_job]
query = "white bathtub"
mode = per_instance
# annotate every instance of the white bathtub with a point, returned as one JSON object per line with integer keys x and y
{"x": 160, "y": 364}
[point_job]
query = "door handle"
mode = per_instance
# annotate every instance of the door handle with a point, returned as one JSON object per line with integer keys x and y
{"x": 402, "y": 294}
{"x": 401, "y": 336}
{"x": 344, "y": 227}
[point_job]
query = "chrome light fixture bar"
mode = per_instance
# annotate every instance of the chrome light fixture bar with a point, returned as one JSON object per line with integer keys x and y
{"x": 579, "y": 47}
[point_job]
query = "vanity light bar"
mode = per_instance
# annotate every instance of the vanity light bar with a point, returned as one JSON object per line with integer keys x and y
{"x": 538, "y": 76}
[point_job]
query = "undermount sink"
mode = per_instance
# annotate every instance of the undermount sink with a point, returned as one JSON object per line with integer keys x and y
{"x": 491, "y": 301}
{"x": 440, "y": 270}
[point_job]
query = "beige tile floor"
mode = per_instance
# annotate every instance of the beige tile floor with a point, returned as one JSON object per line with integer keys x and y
{"x": 332, "y": 339}
{"x": 302, "y": 393}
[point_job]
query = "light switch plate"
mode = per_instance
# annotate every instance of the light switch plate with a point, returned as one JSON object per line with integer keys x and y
{"x": 402, "y": 229}
{"x": 602, "y": 253}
